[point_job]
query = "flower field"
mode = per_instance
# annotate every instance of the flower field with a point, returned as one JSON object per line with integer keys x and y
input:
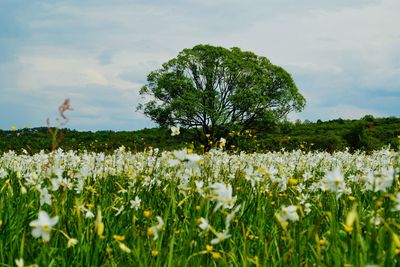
{"x": 182, "y": 209}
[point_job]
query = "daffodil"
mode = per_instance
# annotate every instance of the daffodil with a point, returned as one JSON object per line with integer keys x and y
{"x": 220, "y": 237}
{"x": 335, "y": 181}
{"x": 175, "y": 131}
{"x": 203, "y": 224}
{"x": 288, "y": 214}
{"x": 154, "y": 230}
{"x": 19, "y": 262}
{"x": 43, "y": 225}
{"x": 45, "y": 197}
{"x": 72, "y": 242}
{"x": 230, "y": 216}
{"x": 135, "y": 204}
{"x": 222, "y": 194}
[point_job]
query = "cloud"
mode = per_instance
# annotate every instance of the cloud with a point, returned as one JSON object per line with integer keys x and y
{"x": 105, "y": 57}
{"x": 342, "y": 54}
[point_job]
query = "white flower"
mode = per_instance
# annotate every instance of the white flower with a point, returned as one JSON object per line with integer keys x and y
{"x": 230, "y": 216}
{"x": 19, "y": 262}
{"x": 175, "y": 131}
{"x": 72, "y": 242}
{"x": 55, "y": 182}
{"x": 397, "y": 200}
{"x": 220, "y": 237}
{"x": 222, "y": 193}
{"x": 157, "y": 228}
{"x": 45, "y": 197}
{"x": 384, "y": 179}
{"x": 89, "y": 214}
{"x": 3, "y": 173}
{"x": 307, "y": 208}
{"x": 199, "y": 187}
{"x": 204, "y": 225}
{"x": 288, "y": 214}
{"x": 222, "y": 142}
{"x": 180, "y": 154}
{"x": 120, "y": 210}
{"x": 335, "y": 181}
{"x": 135, "y": 204}
{"x": 42, "y": 226}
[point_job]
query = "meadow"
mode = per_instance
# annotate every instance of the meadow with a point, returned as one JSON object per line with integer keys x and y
{"x": 179, "y": 208}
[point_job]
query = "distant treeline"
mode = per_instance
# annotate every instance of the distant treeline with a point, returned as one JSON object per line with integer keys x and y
{"x": 366, "y": 134}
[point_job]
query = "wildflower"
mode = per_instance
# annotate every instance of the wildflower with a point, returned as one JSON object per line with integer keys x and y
{"x": 175, "y": 131}
{"x": 147, "y": 213}
{"x": 288, "y": 214}
{"x": 216, "y": 255}
{"x": 13, "y": 128}
{"x": 397, "y": 200}
{"x": 154, "y": 230}
{"x": 23, "y": 190}
{"x": 230, "y": 217}
{"x": 45, "y": 197}
{"x": 222, "y": 142}
{"x": 135, "y": 204}
{"x": 199, "y": 187}
{"x": 89, "y": 214}
{"x": 209, "y": 248}
{"x": 154, "y": 253}
{"x": 222, "y": 193}
{"x": 203, "y": 224}
{"x": 3, "y": 173}
{"x": 384, "y": 179}
{"x": 307, "y": 208}
{"x": 220, "y": 237}
{"x": 72, "y": 242}
{"x": 42, "y": 226}
{"x": 376, "y": 221}
{"x": 335, "y": 181}
{"x": 180, "y": 154}
{"x": 19, "y": 262}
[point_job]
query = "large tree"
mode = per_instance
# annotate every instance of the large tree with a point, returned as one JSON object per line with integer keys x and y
{"x": 208, "y": 88}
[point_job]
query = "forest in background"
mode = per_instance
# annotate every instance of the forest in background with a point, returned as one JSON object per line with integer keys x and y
{"x": 366, "y": 134}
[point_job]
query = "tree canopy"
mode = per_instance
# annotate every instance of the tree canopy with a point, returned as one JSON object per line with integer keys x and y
{"x": 208, "y": 87}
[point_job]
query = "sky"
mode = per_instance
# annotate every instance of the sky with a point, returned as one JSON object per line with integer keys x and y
{"x": 344, "y": 55}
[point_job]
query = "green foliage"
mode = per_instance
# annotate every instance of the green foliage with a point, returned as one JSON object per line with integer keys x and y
{"x": 325, "y": 136}
{"x": 209, "y": 88}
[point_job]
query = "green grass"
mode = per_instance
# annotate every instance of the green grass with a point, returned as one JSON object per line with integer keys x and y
{"x": 258, "y": 237}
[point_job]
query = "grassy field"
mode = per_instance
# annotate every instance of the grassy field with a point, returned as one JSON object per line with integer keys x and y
{"x": 182, "y": 209}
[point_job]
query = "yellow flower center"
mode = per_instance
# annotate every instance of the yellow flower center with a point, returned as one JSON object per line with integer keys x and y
{"x": 216, "y": 256}
{"x": 209, "y": 248}
{"x": 150, "y": 231}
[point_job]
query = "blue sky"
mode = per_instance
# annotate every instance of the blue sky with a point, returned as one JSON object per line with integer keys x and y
{"x": 343, "y": 54}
